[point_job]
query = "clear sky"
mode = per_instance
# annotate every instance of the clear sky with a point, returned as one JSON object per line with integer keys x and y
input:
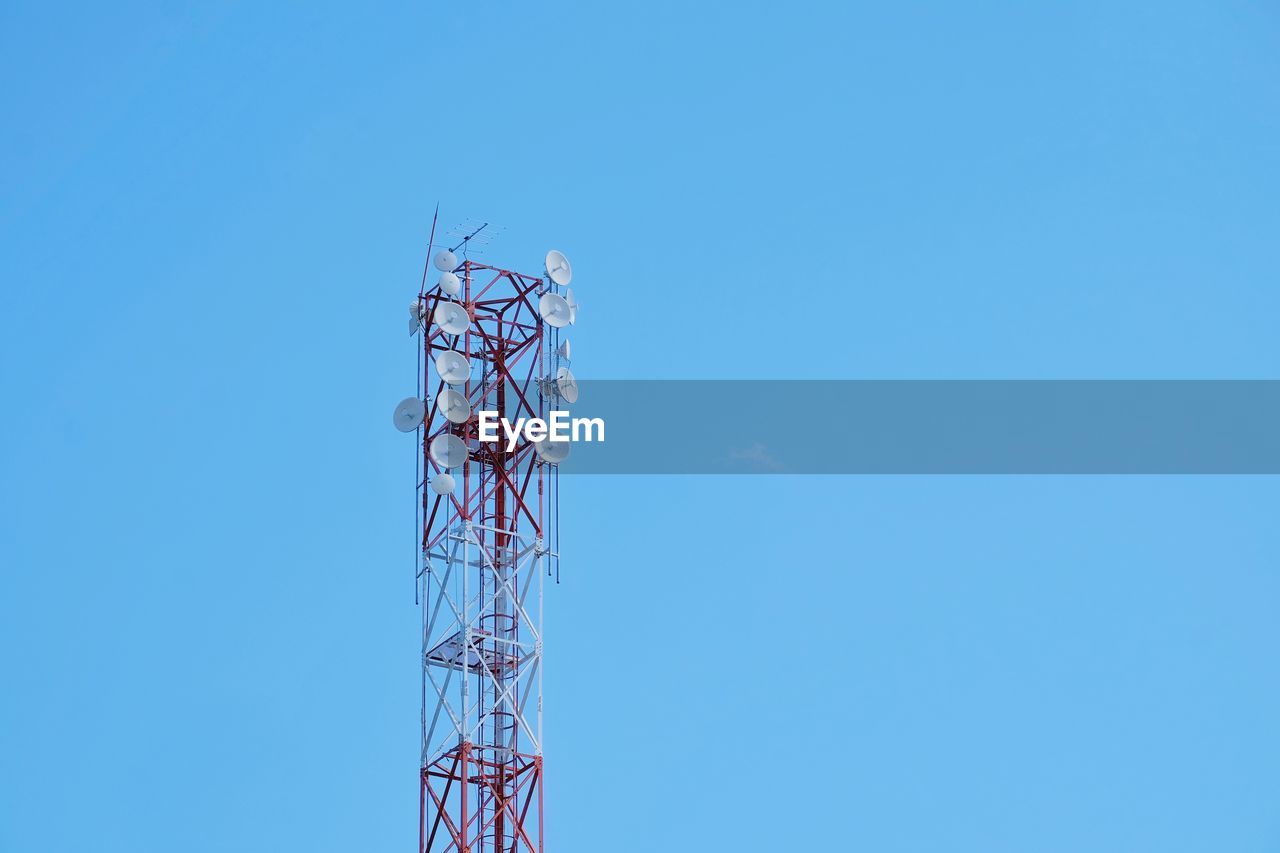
{"x": 213, "y": 216}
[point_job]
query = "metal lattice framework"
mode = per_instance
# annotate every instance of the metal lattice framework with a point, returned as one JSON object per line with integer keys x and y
{"x": 484, "y": 556}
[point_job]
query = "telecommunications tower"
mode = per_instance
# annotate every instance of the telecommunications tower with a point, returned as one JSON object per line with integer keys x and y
{"x": 486, "y": 539}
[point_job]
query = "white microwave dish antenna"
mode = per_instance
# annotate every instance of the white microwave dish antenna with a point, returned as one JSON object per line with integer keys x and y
{"x": 450, "y": 284}
{"x": 554, "y": 310}
{"x": 454, "y": 406}
{"x": 443, "y": 483}
{"x": 409, "y": 414}
{"x": 445, "y": 260}
{"x": 452, "y": 318}
{"x": 566, "y": 385}
{"x": 448, "y": 451}
{"x": 552, "y": 452}
{"x": 453, "y": 367}
{"x": 573, "y": 305}
{"x": 559, "y": 270}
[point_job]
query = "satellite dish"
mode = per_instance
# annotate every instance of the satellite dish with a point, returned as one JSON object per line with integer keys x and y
{"x": 552, "y": 452}
{"x": 453, "y": 367}
{"x": 554, "y": 310}
{"x": 573, "y": 305}
{"x": 566, "y": 385}
{"x": 448, "y": 451}
{"x": 409, "y": 414}
{"x": 563, "y": 352}
{"x": 415, "y": 316}
{"x": 450, "y": 284}
{"x": 442, "y": 483}
{"x": 446, "y": 261}
{"x": 452, "y": 318}
{"x": 454, "y": 406}
{"x": 559, "y": 270}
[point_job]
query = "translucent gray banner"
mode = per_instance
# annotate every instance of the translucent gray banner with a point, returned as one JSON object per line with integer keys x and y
{"x": 930, "y": 427}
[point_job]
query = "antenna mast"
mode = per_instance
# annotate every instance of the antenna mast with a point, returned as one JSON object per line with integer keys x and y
{"x": 487, "y": 527}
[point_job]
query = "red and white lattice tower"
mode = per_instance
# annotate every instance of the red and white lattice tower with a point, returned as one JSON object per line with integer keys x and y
{"x": 487, "y": 534}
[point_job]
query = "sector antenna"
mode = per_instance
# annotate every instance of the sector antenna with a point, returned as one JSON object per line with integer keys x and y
{"x": 415, "y": 315}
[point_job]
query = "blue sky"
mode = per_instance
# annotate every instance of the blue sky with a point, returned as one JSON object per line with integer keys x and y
{"x": 214, "y": 215}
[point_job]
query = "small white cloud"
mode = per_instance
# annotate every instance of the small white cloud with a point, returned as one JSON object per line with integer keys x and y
{"x": 758, "y": 455}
